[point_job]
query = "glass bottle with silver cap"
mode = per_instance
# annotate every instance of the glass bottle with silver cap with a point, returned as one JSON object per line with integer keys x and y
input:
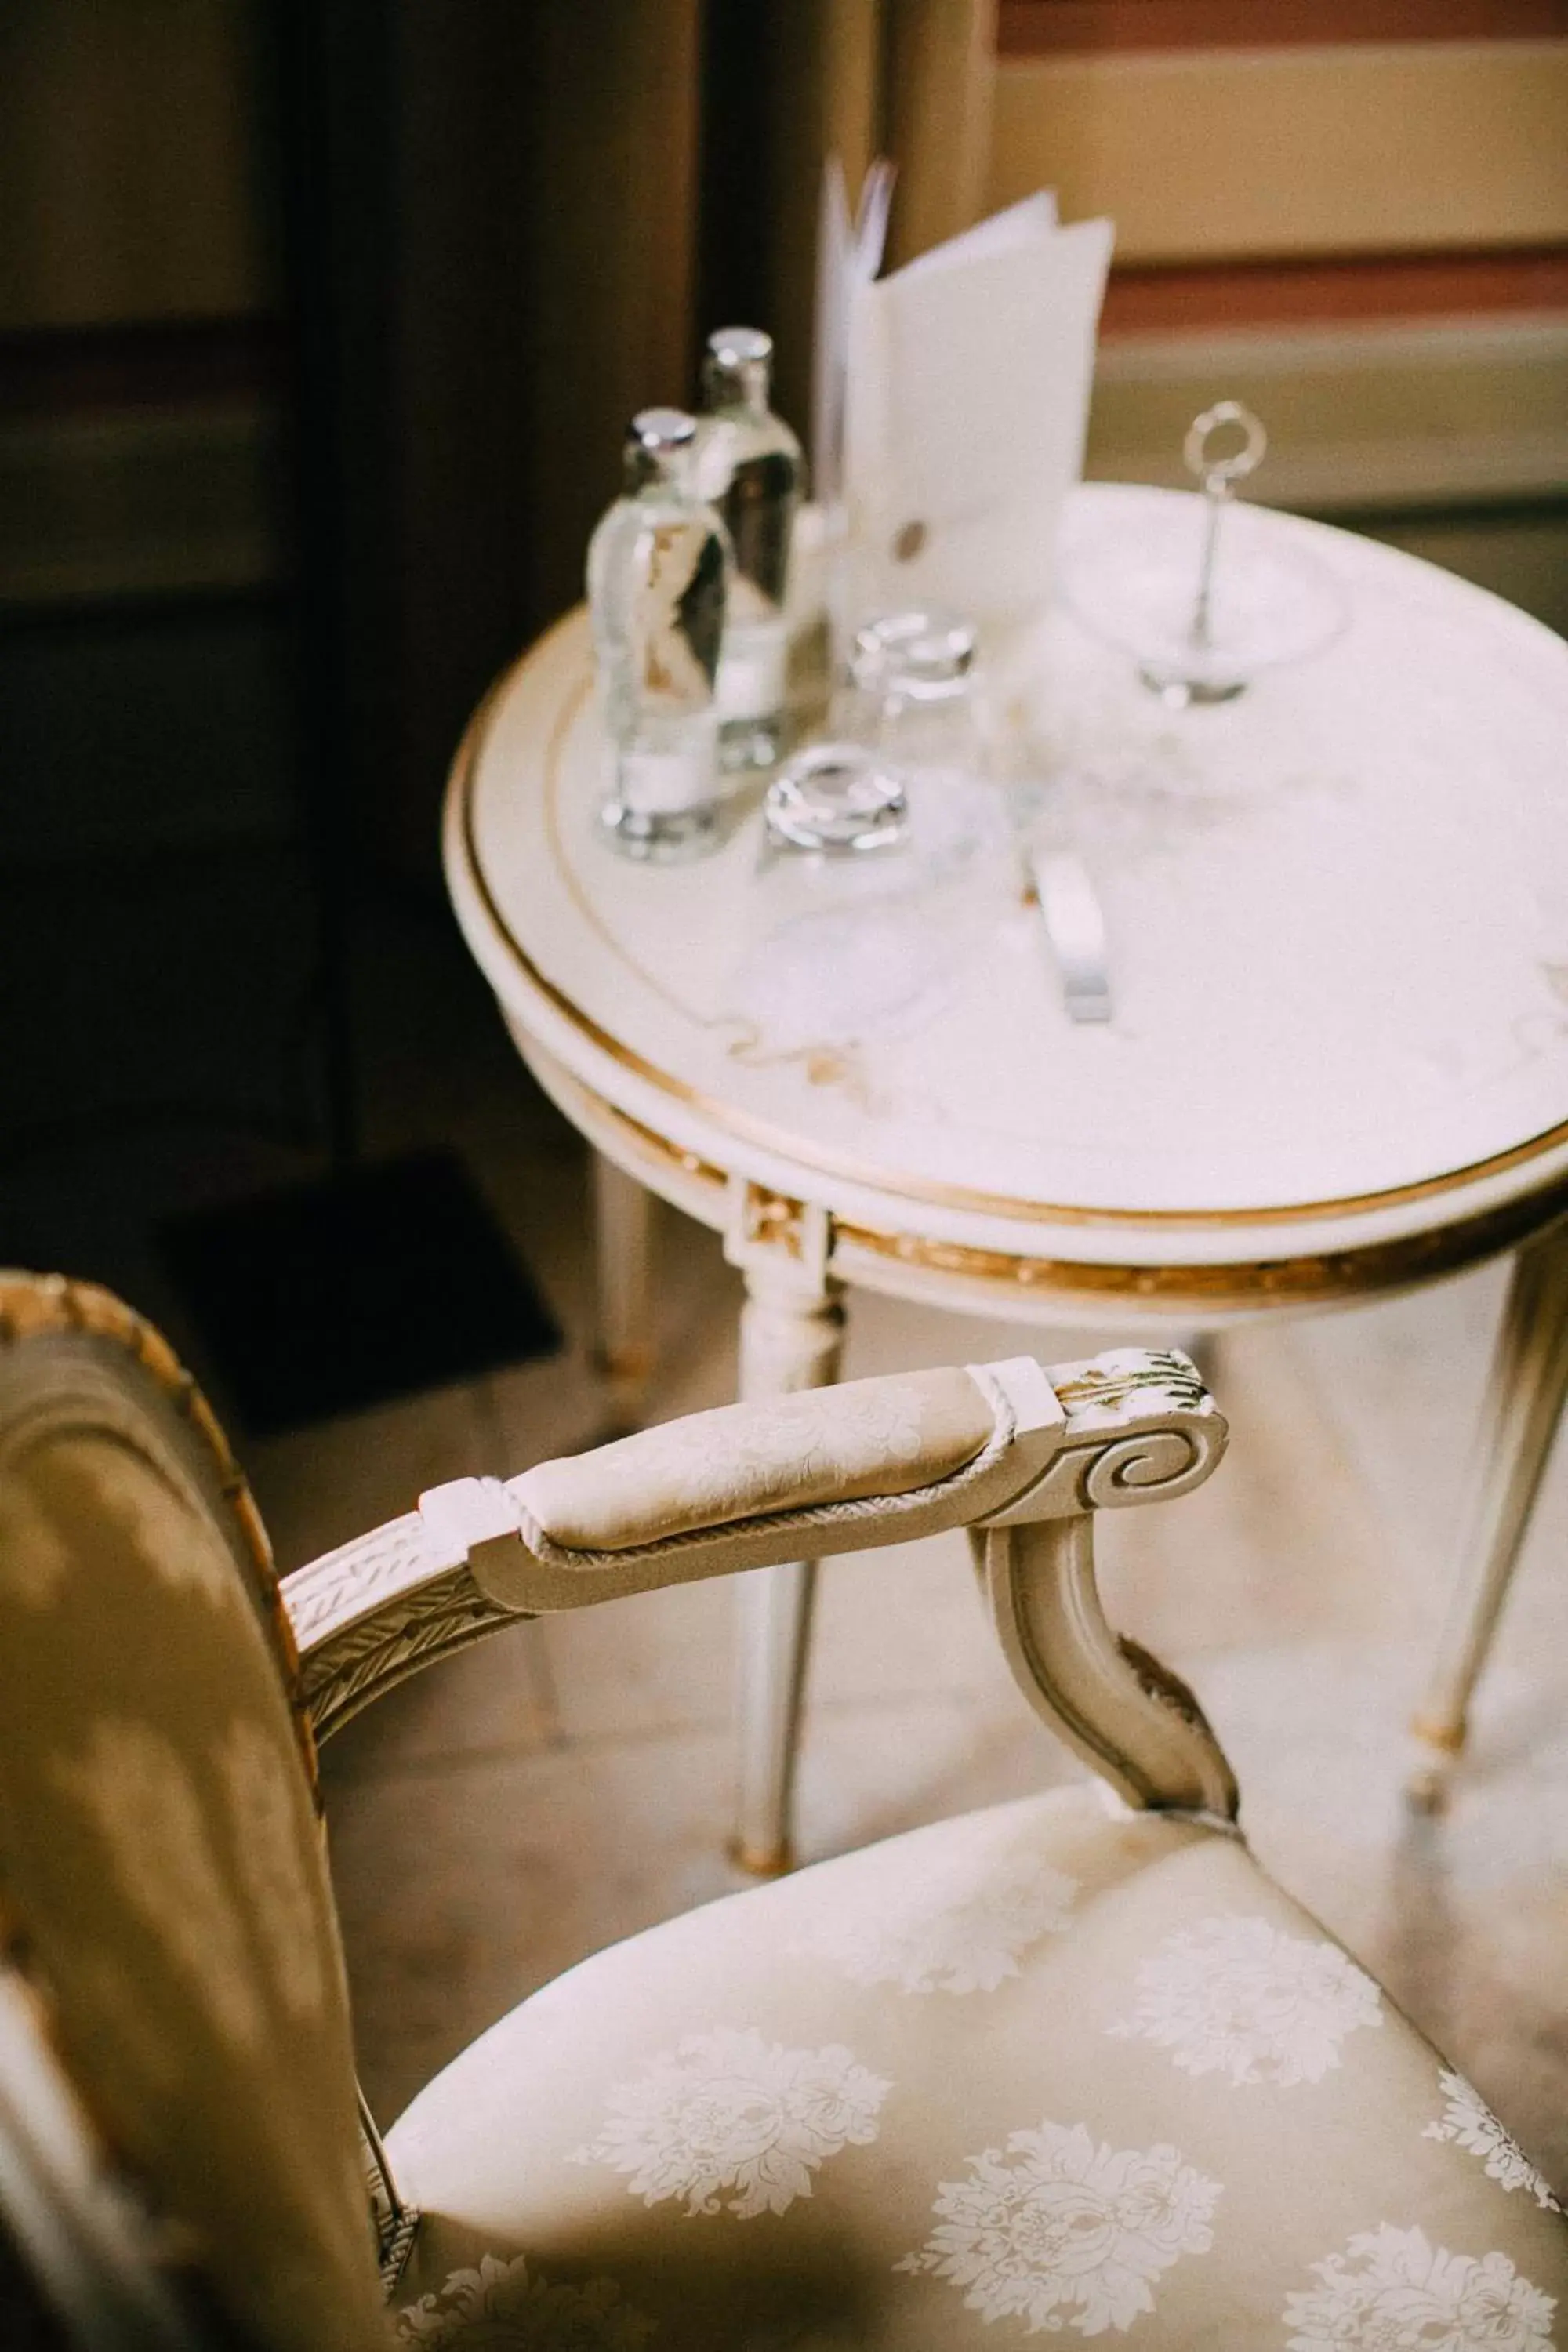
{"x": 658, "y": 569}
{"x": 751, "y": 469}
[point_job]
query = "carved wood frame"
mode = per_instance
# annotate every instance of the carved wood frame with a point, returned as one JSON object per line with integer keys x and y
{"x": 1130, "y": 1426}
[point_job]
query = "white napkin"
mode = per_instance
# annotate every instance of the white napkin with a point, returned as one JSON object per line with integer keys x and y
{"x": 967, "y": 389}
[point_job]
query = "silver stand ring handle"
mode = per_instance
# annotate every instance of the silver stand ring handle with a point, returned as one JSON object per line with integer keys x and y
{"x": 1216, "y": 467}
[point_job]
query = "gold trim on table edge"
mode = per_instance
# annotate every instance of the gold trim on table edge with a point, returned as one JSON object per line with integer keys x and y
{"x": 1256, "y": 1284}
{"x": 939, "y": 1195}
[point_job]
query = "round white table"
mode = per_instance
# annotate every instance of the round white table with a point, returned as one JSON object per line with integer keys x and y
{"x": 1338, "y": 918}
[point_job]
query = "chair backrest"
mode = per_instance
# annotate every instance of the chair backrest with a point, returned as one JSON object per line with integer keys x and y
{"x": 162, "y": 1888}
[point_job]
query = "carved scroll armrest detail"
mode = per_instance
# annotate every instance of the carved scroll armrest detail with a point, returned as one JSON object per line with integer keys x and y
{"x": 1123, "y": 1428}
{"x": 1141, "y": 1426}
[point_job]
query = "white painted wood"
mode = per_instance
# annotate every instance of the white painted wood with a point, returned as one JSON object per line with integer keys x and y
{"x": 623, "y": 1244}
{"x": 773, "y": 1645}
{"x": 1131, "y": 1719}
{"x": 1363, "y": 856}
{"x": 792, "y": 1337}
{"x": 1121, "y": 1429}
{"x": 1519, "y": 1413}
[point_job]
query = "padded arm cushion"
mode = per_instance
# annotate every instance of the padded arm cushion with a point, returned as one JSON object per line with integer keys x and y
{"x": 869, "y": 1438}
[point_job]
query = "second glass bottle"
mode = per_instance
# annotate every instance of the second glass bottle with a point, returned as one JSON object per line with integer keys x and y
{"x": 750, "y": 470}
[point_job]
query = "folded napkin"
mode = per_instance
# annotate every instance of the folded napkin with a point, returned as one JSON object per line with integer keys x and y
{"x": 967, "y": 378}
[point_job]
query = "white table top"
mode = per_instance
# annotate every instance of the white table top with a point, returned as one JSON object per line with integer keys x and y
{"x": 1338, "y": 910}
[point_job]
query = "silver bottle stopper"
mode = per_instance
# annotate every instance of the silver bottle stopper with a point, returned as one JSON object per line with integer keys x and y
{"x": 658, "y": 443}
{"x": 738, "y": 367}
{"x": 1223, "y": 446}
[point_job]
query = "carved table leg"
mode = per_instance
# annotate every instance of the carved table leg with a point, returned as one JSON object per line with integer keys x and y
{"x": 792, "y": 1331}
{"x": 624, "y": 1350}
{"x": 1524, "y": 1395}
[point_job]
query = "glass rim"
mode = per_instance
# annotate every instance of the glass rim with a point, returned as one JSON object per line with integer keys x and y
{"x": 920, "y": 654}
{"x": 800, "y": 813}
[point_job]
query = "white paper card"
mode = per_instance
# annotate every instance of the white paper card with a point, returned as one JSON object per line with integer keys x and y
{"x": 967, "y": 402}
{"x": 1031, "y": 217}
{"x": 848, "y": 255}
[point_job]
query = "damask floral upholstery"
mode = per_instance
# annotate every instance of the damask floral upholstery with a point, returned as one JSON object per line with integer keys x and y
{"x": 1059, "y": 2067}
{"x": 823, "y": 1446}
{"x": 161, "y": 1868}
{"x": 1052, "y": 2067}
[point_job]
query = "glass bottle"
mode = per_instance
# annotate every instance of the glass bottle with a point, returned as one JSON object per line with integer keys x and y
{"x": 658, "y": 567}
{"x": 751, "y": 470}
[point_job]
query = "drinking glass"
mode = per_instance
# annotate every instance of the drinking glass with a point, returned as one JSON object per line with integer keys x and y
{"x": 914, "y": 690}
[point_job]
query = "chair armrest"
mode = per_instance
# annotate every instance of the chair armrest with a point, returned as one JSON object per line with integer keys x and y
{"x": 826, "y": 1471}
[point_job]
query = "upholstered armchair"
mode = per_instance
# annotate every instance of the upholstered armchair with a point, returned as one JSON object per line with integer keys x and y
{"x": 1075, "y": 2063}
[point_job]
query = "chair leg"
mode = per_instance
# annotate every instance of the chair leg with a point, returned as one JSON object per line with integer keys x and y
{"x": 1525, "y": 1389}
{"x": 792, "y": 1334}
{"x": 623, "y": 1353}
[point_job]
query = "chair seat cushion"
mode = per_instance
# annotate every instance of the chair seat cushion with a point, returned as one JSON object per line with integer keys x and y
{"x": 1046, "y": 2068}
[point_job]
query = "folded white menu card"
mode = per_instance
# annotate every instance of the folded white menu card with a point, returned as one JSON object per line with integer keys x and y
{"x": 967, "y": 390}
